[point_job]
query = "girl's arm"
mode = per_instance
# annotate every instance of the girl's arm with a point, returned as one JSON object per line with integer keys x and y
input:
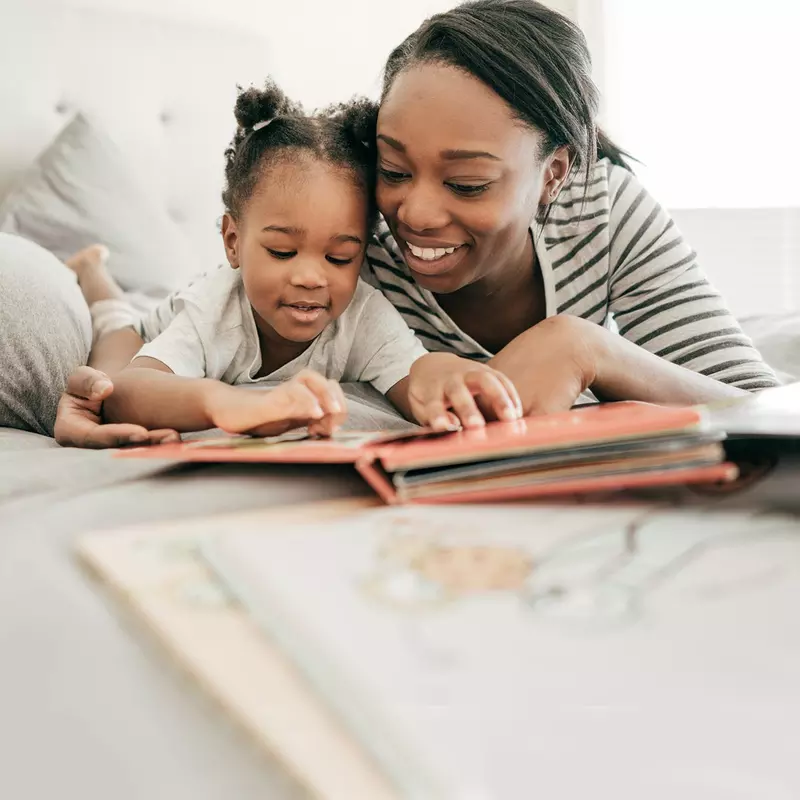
{"x": 147, "y": 393}
{"x": 114, "y": 351}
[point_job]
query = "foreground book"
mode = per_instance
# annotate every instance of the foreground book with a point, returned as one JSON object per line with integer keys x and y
{"x": 488, "y": 653}
{"x": 599, "y": 448}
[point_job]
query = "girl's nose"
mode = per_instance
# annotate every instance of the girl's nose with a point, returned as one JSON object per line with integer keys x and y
{"x": 308, "y": 273}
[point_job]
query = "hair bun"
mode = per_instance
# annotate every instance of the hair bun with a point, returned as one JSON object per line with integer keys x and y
{"x": 263, "y": 105}
{"x": 359, "y": 118}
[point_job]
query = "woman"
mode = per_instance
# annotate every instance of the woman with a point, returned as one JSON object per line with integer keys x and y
{"x": 515, "y": 234}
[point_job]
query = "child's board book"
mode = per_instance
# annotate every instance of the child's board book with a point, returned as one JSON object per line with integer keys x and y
{"x": 492, "y": 652}
{"x": 599, "y": 448}
{"x": 158, "y": 574}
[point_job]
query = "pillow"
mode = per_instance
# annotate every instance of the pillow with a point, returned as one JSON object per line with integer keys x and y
{"x": 81, "y": 191}
{"x": 777, "y": 338}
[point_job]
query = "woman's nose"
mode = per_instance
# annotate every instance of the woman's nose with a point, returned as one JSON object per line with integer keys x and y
{"x": 422, "y": 209}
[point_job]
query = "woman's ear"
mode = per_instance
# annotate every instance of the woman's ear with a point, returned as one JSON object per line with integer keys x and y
{"x": 230, "y": 238}
{"x": 556, "y": 172}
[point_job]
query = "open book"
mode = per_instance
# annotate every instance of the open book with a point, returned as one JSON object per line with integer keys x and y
{"x": 489, "y": 652}
{"x": 599, "y": 448}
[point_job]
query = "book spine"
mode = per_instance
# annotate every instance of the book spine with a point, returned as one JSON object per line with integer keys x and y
{"x": 371, "y": 471}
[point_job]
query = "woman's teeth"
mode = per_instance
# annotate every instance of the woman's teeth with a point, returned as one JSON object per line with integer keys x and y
{"x": 430, "y": 253}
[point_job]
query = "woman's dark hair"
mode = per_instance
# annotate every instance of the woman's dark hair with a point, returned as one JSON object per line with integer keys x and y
{"x": 532, "y": 57}
{"x": 272, "y": 127}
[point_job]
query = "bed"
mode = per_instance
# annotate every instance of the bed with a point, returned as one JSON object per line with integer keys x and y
{"x": 88, "y": 707}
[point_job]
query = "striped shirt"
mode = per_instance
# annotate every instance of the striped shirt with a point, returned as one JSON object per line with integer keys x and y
{"x": 610, "y": 254}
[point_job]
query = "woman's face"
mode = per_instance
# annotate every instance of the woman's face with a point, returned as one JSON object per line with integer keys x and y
{"x": 460, "y": 179}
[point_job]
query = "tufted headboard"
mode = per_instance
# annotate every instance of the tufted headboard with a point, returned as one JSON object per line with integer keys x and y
{"x": 163, "y": 90}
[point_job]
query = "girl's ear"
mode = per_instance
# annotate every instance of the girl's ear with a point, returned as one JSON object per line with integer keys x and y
{"x": 230, "y": 238}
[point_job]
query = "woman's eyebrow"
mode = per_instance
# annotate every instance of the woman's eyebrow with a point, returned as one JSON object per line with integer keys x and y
{"x": 457, "y": 155}
{"x": 393, "y": 143}
{"x": 446, "y": 155}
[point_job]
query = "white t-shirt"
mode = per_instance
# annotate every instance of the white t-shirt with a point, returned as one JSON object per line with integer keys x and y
{"x": 214, "y": 335}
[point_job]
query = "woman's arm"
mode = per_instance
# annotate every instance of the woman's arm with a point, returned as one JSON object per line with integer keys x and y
{"x": 677, "y": 342}
{"x": 662, "y": 301}
{"x": 554, "y": 362}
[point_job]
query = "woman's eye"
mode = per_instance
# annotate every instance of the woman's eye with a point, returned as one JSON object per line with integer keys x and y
{"x": 390, "y": 176}
{"x": 340, "y": 262}
{"x": 468, "y": 190}
{"x": 283, "y": 254}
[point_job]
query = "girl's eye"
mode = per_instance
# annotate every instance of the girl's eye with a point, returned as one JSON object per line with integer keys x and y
{"x": 468, "y": 191}
{"x": 283, "y": 254}
{"x": 339, "y": 262}
{"x": 390, "y": 176}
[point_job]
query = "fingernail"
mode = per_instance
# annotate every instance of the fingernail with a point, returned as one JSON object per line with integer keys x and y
{"x": 137, "y": 438}
{"x": 336, "y": 407}
{"x": 510, "y": 413}
{"x": 100, "y": 387}
{"x": 317, "y": 412}
{"x": 444, "y": 424}
{"x": 475, "y": 421}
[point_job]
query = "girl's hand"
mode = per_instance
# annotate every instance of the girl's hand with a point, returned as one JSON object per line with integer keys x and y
{"x": 445, "y": 390}
{"x": 307, "y": 399}
{"x": 79, "y": 420}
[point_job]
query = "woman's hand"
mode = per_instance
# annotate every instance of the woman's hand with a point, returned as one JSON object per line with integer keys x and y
{"x": 79, "y": 421}
{"x": 445, "y": 390}
{"x": 551, "y": 364}
{"x": 307, "y": 399}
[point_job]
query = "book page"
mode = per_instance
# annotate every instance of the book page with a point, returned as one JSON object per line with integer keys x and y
{"x": 509, "y": 652}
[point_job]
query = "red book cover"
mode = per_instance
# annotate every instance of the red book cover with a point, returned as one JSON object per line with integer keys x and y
{"x": 628, "y": 439}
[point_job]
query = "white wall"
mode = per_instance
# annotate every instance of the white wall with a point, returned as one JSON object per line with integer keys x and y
{"x": 751, "y": 255}
{"x": 322, "y": 51}
{"x": 703, "y": 93}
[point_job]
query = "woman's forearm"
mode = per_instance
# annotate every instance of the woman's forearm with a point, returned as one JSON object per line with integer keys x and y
{"x": 625, "y": 371}
{"x": 155, "y": 399}
{"x": 552, "y": 363}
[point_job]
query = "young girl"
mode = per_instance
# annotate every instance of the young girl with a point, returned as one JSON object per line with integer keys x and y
{"x": 291, "y": 308}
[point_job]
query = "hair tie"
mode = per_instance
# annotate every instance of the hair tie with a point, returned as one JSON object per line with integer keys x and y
{"x": 263, "y": 124}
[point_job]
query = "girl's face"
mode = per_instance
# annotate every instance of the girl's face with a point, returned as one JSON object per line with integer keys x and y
{"x": 299, "y": 242}
{"x": 460, "y": 179}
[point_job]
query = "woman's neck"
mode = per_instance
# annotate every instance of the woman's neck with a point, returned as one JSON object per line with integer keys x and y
{"x": 509, "y": 279}
{"x": 500, "y": 306}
